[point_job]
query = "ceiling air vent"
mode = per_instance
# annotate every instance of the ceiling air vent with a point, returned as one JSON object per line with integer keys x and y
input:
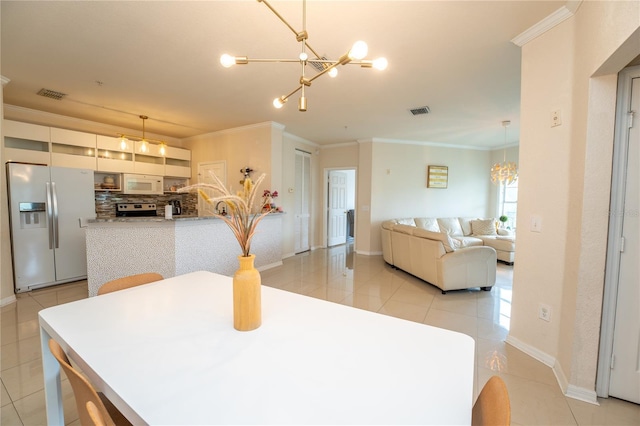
{"x": 420, "y": 110}
{"x": 319, "y": 66}
{"x": 52, "y": 94}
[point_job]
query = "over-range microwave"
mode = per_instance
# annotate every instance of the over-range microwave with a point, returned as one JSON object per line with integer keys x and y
{"x": 142, "y": 184}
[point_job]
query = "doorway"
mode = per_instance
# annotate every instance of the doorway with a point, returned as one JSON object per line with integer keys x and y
{"x": 205, "y": 170}
{"x": 619, "y": 358}
{"x": 340, "y": 206}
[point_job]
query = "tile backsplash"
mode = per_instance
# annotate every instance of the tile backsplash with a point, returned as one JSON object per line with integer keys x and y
{"x": 106, "y": 202}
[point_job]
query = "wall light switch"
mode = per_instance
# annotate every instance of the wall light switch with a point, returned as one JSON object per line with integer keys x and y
{"x": 536, "y": 223}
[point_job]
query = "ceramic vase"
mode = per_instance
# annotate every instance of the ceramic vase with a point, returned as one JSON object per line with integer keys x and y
{"x": 247, "y": 311}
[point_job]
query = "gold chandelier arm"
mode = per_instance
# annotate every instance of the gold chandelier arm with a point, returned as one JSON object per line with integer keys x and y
{"x": 275, "y": 12}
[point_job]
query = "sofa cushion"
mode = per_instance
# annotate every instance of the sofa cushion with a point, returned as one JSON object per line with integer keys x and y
{"x": 483, "y": 227}
{"x": 450, "y": 225}
{"x": 428, "y": 223}
{"x": 465, "y": 224}
{"x": 463, "y": 242}
{"x": 448, "y": 243}
{"x": 500, "y": 243}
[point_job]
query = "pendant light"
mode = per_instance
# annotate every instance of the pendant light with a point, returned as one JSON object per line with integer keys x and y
{"x": 320, "y": 64}
{"x": 507, "y": 171}
{"x": 144, "y": 141}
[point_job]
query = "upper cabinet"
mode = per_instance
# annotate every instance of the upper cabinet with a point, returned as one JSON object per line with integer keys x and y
{"x": 26, "y": 143}
{"x": 32, "y": 143}
{"x": 148, "y": 159}
{"x": 177, "y": 162}
{"x": 114, "y": 155}
{"x": 73, "y": 149}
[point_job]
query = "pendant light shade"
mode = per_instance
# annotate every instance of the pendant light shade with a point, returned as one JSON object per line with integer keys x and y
{"x": 507, "y": 171}
{"x": 144, "y": 141}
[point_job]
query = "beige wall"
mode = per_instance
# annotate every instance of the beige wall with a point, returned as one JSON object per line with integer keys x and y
{"x": 248, "y": 146}
{"x": 399, "y": 184}
{"x": 565, "y": 179}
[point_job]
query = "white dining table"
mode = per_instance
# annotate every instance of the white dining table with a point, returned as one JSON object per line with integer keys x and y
{"x": 166, "y": 353}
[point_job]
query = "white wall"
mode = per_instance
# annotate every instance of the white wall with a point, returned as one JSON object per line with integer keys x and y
{"x": 399, "y": 184}
{"x": 565, "y": 179}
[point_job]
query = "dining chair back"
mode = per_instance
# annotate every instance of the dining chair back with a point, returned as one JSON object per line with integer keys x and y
{"x": 95, "y": 414}
{"x": 129, "y": 281}
{"x": 84, "y": 392}
{"x": 492, "y": 406}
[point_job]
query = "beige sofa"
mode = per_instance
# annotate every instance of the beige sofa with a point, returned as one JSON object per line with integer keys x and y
{"x": 442, "y": 251}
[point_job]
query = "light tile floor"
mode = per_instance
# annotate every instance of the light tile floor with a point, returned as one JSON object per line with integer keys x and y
{"x": 364, "y": 282}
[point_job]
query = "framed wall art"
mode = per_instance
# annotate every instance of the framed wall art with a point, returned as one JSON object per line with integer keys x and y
{"x": 437, "y": 177}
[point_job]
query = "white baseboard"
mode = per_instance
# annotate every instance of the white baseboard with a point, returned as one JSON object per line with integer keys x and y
{"x": 572, "y": 391}
{"x": 536, "y": 353}
{"x": 8, "y": 300}
{"x": 369, "y": 253}
{"x": 269, "y": 266}
{"x": 287, "y": 255}
{"x": 582, "y": 394}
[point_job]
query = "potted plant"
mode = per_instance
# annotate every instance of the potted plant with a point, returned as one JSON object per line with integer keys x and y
{"x": 503, "y": 219}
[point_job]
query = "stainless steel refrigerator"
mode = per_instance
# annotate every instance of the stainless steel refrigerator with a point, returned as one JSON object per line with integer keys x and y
{"x": 48, "y": 209}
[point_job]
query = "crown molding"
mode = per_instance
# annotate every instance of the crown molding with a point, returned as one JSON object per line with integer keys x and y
{"x": 299, "y": 139}
{"x": 43, "y": 118}
{"x": 433, "y": 144}
{"x": 557, "y": 17}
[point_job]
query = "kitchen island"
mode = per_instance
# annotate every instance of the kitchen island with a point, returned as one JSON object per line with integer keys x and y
{"x": 118, "y": 247}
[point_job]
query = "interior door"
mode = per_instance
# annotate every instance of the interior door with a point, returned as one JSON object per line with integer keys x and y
{"x": 337, "y": 208}
{"x": 625, "y": 366}
{"x": 302, "y": 201}
{"x": 218, "y": 168}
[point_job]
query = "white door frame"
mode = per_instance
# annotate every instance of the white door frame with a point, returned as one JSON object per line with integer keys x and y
{"x": 325, "y": 202}
{"x": 614, "y": 242}
{"x": 223, "y": 178}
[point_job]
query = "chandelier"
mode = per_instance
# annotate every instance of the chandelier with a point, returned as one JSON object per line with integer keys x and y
{"x": 318, "y": 62}
{"x": 507, "y": 171}
{"x": 144, "y": 141}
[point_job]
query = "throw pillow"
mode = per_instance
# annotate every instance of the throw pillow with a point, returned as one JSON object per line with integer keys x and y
{"x": 483, "y": 227}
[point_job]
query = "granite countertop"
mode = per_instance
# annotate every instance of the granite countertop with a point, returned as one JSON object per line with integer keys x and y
{"x": 150, "y": 219}
{"x": 176, "y": 218}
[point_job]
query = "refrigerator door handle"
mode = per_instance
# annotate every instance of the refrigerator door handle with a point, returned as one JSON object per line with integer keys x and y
{"x": 50, "y": 216}
{"x": 55, "y": 215}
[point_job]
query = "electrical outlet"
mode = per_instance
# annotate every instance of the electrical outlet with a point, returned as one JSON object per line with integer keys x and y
{"x": 544, "y": 312}
{"x": 556, "y": 118}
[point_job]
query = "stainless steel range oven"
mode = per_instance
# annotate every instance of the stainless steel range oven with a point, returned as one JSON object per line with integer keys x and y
{"x": 136, "y": 210}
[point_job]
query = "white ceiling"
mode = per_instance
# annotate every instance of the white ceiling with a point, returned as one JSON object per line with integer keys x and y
{"x": 161, "y": 59}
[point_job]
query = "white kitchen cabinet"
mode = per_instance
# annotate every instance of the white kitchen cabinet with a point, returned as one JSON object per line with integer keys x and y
{"x": 26, "y": 143}
{"x": 112, "y": 156}
{"x": 70, "y": 148}
{"x": 148, "y": 161}
{"x": 177, "y": 162}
